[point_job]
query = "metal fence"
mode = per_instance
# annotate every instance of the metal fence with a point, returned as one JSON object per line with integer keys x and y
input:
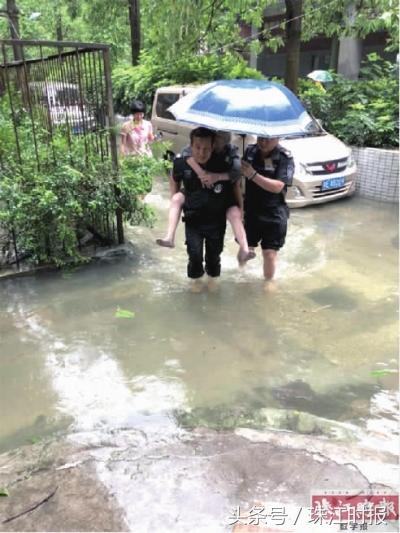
{"x": 62, "y": 87}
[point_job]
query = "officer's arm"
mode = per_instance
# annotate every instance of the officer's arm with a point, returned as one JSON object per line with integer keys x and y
{"x": 274, "y": 186}
{"x": 268, "y": 184}
{"x": 285, "y": 169}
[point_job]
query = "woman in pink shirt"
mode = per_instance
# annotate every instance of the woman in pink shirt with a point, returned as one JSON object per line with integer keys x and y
{"x": 136, "y": 133}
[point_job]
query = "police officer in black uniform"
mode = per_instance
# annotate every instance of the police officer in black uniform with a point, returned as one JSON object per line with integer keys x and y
{"x": 269, "y": 169}
{"x": 204, "y": 208}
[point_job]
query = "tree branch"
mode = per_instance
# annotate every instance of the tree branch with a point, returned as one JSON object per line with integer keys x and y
{"x": 31, "y": 508}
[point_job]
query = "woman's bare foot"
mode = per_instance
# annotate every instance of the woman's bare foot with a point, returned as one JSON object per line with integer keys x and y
{"x": 166, "y": 243}
{"x": 244, "y": 256}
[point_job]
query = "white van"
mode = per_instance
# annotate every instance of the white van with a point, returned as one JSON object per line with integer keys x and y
{"x": 64, "y": 104}
{"x": 324, "y": 167}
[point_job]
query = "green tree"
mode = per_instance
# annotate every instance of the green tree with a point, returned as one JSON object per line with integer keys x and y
{"x": 134, "y": 22}
{"x": 363, "y": 112}
{"x": 293, "y": 38}
{"x": 333, "y": 19}
{"x": 47, "y": 21}
{"x": 180, "y": 29}
{"x": 108, "y": 22}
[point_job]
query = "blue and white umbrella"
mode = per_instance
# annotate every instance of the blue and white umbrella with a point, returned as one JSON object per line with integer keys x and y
{"x": 256, "y": 107}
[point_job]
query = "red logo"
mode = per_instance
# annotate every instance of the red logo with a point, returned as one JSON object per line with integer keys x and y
{"x": 345, "y": 506}
{"x": 330, "y": 167}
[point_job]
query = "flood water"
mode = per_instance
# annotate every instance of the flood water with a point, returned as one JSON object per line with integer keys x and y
{"x": 324, "y": 343}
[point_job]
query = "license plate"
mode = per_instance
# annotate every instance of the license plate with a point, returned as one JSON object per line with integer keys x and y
{"x": 333, "y": 183}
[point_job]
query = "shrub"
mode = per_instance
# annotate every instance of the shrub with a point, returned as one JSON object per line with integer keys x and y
{"x": 47, "y": 206}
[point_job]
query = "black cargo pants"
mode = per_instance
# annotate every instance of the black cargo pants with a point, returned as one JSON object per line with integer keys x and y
{"x": 213, "y": 237}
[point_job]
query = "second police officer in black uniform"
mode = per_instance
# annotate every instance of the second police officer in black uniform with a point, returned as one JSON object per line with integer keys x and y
{"x": 269, "y": 169}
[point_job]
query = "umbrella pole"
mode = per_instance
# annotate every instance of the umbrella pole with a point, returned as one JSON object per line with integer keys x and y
{"x": 243, "y": 182}
{"x": 243, "y": 136}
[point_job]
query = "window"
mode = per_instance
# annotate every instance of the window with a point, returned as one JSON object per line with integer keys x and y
{"x": 67, "y": 96}
{"x": 163, "y": 102}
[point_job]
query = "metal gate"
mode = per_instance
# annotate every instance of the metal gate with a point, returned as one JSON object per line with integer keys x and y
{"x": 62, "y": 86}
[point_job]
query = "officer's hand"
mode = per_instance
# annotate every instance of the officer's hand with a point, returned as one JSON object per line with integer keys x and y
{"x": 247, "y": 169}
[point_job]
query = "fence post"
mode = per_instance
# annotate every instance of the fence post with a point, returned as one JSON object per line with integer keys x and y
{"x": 112, "y": 136}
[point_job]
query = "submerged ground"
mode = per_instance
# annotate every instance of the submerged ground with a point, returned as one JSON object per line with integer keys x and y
{"x": 168, "y": 419}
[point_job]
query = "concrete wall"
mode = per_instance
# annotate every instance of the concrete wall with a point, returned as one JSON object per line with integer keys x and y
{"x": 378, "y": 173}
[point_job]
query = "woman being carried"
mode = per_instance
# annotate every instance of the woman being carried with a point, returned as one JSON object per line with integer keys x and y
{"x": 228, "y": 157}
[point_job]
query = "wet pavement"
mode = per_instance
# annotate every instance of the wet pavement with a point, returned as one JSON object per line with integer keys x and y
{"x": 192, "y": 404}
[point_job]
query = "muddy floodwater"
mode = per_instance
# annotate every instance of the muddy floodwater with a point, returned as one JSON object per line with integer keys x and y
{"x": 317, "y": 356}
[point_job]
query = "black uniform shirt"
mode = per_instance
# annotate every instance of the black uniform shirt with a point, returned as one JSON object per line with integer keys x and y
{"x": 279, "y": 165}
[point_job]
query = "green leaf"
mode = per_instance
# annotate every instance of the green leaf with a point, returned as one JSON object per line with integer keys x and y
{"x": 124, "y": 313}
{"x": 383, "y": 372}
{"x": 357, "y": 106}
{"x": 3, "y": 491}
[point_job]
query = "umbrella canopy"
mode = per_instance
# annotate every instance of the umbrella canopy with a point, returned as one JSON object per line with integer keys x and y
{"x": 256, "y": 107}
{"x": 320, "y": 75}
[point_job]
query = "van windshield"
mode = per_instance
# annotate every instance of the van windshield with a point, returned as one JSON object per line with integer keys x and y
{"x": 313, "y": 129}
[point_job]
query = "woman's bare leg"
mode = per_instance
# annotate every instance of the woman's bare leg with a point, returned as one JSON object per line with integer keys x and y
{"x": 234, "y": 216}
{"x": 174, "y": 214}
